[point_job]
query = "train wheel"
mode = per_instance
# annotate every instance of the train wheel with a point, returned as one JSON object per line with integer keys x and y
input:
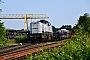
{"x": 52, "y": 39}
{"x": 32, "y": 41}
{"x": 59, "y": 38}
{"x": 49, "y": 38}
{"x": 46, "y": 39}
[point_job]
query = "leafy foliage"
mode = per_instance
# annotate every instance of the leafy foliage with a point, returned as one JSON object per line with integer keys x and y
{"x": 2, "y": 34}
{"x": 68, "y": 27}
{"x": 21, "y": 39}
{"x": 84, "y": 21}
{"x": 3, "y": 40}
{"x": 77, "y": 48}
{"x": 2, "y": 30}
{"x": 54, "y": 28}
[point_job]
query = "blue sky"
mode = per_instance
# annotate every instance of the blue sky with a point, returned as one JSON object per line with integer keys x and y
{"x": 61, "y": 12}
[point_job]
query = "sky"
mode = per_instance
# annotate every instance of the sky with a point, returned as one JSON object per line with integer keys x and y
{"x": 60, "y": 12}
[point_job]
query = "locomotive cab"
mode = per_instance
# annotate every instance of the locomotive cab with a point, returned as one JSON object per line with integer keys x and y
{"x": 41, "y": 31}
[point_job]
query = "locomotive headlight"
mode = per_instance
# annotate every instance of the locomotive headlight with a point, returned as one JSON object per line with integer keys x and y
{"x": 42, "y": 36}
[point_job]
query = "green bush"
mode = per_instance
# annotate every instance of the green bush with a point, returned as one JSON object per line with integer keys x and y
{"x": 77, "y": 48}
{"x": 21, "y": 39}
{"x": 2, "y": 34}
{"x": 4, "y": 42}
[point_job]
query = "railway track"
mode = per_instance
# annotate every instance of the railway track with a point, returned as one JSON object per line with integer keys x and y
{"x": 14, "y": 48}
{"x": 20, "y": 51}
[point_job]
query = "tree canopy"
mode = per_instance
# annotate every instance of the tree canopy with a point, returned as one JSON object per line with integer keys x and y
{"x": 68, "y": 27}
{"x": 54, "y": 28}
{"x": 84, "y": 21}
{"x": 2, "y": 32}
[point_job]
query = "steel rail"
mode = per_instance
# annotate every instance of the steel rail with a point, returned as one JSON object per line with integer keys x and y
{"x": 32, "y": 49}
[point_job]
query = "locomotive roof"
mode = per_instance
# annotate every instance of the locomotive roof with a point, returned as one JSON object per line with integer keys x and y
{"x": 43, "y": 21}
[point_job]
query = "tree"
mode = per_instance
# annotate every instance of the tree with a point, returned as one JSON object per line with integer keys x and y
{"x": 2, "y": 32}
{"x": 84, "y": 21}
{"x": 54, "y": 28}
{"x": 68, "y": 27}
